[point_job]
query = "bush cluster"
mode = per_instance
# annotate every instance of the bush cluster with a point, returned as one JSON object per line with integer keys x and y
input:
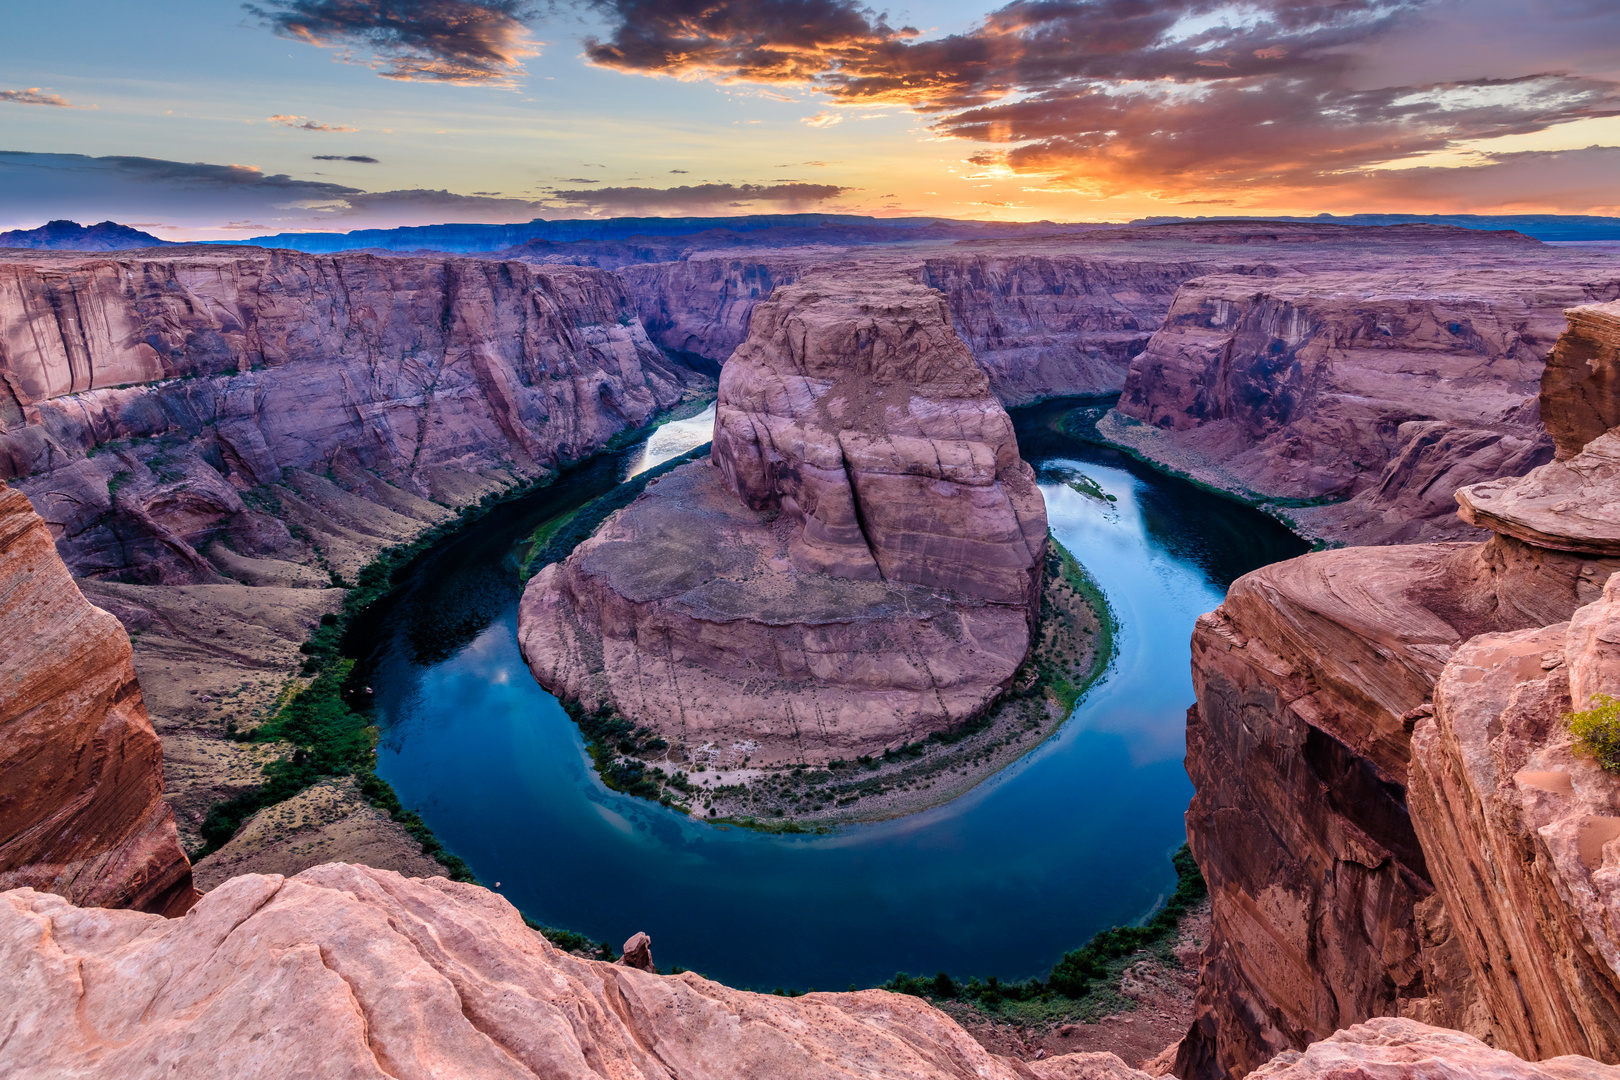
{"x": 1597, "y": 731}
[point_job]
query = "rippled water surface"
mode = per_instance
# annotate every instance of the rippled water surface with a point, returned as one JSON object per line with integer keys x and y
{"x": 1071, "y": 839}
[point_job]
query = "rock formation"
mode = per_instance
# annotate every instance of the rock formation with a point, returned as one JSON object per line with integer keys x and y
{"x": 1310, "y": 679}
{"x": 1393, "y": 1049}
{"x": 1581, "y": 387}
{"x": 81, "y": 772}
{"x": 859, "y": 567}
{"x": 1381, "y": 388}
{"x": 195, "y": 376}
{"x": 353, "y": 972}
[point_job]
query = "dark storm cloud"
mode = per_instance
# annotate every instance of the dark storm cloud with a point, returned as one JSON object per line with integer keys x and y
{"x": 359, "y": 158}
{"x": 697, "y": 197}
{"x": 1170, "y": 97}
{"x": 458, "y": 41}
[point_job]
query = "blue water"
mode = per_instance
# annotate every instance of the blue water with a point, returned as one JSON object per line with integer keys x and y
{"x": 1073, "y": 838}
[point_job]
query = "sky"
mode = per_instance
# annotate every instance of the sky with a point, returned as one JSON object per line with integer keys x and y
{"x": 213, "y": 119}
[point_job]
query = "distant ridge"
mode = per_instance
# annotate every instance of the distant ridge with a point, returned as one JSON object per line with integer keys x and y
{"x": 483, "y": 238}
{"x": 1544, "y": 227}
{"x": 71, "y": 236}
{"x": 848, "y": 228}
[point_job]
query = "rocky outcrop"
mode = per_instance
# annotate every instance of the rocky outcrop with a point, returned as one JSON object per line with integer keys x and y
{"x": 1566, "y": 505}
{"x": 1310, "y": 679}
{"x": 1381, "y": 388}
{"x": 353, "y": 972}
{"x": 81, "y": 772}
{"x": 859, "y": 567}
{"x": 1518, "y": 827}
{"x": 142, "y": 396}
{"x": 1394, "y": 1049}
{"x": 1581, "y": 387}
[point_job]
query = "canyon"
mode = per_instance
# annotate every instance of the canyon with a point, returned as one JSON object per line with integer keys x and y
{"x": 1345, "y": 864}
{"x": 856, "y": 567}
{"x": 216, "y": 441}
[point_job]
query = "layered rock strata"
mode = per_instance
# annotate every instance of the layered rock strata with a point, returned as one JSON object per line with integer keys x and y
{"x": 1395, "y": 1049}
{"x": 143, "y": 396}
{"x": 1519, "y": 830}
{"x": 1581, "y": 386}
{"x": 857, "y": 566}
{"x": 1379, "y": 389}
{"x": 348, "y": 971}
{"x": 1310, "y": 678}
{"x": 81, "y": 772}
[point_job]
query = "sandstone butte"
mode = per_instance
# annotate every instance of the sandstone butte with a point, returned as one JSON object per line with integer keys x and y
{"x": 1455, "y": 876}
{"x": 81, "y": 772}
{"x": 857, "y": 565}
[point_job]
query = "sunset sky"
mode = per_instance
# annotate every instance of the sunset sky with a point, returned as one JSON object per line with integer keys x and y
{"x": 215, "y": 119}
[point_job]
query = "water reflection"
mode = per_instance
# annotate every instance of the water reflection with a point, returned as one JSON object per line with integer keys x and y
{"x": 1071, "y": 839}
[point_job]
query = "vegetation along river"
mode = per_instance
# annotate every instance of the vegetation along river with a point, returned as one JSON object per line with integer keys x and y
{"x": 1073, "y": 838}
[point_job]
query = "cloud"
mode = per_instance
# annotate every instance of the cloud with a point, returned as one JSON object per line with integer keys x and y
{"x": 308, "y": 124}
{"x": 33, "y": 96}
{"x": 453, "y": 41}
{"x": 697, "y": 198}
{"x": 359, "y": 158}
{"x": 1177, "y": 98}
{"x": 822, "y": 119}
{"x": 203, "y": 200}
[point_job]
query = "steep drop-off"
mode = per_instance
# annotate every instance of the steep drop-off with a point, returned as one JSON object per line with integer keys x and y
{"x": 1381, "y": 389}
{"x": 1310, "y": 679}
{"x": 198, "y": 376}
{"x": 81, "y": 772}
{"x": 859, "y": 566}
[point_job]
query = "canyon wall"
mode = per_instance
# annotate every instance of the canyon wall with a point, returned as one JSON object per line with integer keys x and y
{"x": 81, "y": 772}
{"x": 1380, "y": 389}
{"x": 142, "y": 396}
{"x": 858, "y": 567}
{"x": 1311, "y": 678}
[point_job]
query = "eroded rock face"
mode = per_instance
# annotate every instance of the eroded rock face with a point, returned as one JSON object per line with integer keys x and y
{"x": 353, "y": 972}
{"x": 1518, "y": 827}
{"x": 1386, "y": 386}
{"x": 859, "y": 567}
{"x": 1307, "y": 676}
{"x": 1571, "y": 505}
{"x": 250, "y": 364}
{"x": 81, "y": 772}
{"x": 1581, "y": 386}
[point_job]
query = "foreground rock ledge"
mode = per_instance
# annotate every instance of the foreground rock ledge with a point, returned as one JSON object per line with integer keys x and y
{"x": 346, "y": 971}
{"x": 860, "y": 566}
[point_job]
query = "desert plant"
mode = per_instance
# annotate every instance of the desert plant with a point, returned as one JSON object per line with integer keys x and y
{"x": 1597, "y": 731}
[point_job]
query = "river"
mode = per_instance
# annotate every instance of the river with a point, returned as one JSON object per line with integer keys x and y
{"x": 1073, "y": 838}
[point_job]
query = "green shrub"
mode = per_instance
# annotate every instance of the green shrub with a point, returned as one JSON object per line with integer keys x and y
{"x": 1597, "y": 731}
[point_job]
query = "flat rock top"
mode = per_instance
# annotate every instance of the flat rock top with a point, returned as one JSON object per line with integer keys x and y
{"x": 689, "y": 541}
{"x": 1569, "y": 505}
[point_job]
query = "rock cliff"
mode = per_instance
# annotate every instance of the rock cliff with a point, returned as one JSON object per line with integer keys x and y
{"x": 142, "y": 396}
{"x": 1380, "y": 389}
{"x": 81, "y": 772}
{"x": 859, "y": 567}
{"x": 1310, "y": 679}
{"x": 353, "y": 972}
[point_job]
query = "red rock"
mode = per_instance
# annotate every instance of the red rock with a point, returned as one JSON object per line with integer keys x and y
{"x": 637, "y": 953}
{"x": 345, "y": 971}
{"x": 1386, "y": 385}
{"x": 1517, "y": 826}
{"x": 249, "y": 364}
{"x": 1393, "y": 1049}
{"x": 1565, "y": 505}
{"x": 1581, "y": 387}
{"x": 860, "y": 570}
{"x": 81, "y": 772}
